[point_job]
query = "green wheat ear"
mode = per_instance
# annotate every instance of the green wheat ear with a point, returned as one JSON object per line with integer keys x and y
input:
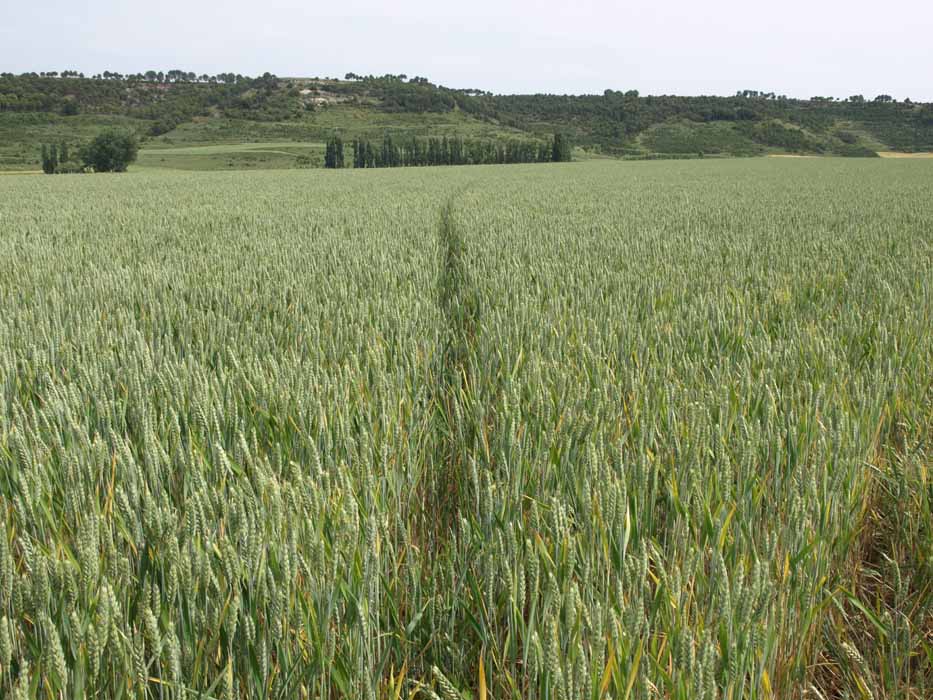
{"x": 448, "y": 692}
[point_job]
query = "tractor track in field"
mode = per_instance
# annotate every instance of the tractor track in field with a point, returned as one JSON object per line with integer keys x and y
{"x": 455, "y": 378}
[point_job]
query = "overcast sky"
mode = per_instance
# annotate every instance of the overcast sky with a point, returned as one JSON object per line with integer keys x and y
{"x": 796, "y": 47}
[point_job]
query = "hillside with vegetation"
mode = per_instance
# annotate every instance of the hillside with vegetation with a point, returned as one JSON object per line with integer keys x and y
{"x": 176, "y": 114}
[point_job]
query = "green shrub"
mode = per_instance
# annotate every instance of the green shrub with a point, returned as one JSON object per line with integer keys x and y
{"x": 111, "y": 151}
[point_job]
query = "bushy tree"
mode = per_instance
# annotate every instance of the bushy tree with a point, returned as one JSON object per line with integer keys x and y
{"x": 110, "y": 151}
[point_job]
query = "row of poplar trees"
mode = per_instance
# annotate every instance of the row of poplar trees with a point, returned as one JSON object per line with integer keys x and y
{"x": 393, "y": 153}
{"x": 52, "y": 156}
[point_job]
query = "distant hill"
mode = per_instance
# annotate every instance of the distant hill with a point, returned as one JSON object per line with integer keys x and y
{"x": 180, "y": 109}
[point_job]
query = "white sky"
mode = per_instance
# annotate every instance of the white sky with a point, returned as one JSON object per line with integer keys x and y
{"x": 796, "y": 47}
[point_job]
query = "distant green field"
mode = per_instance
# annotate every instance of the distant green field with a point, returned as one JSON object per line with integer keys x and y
{"x": 234, "y": 143}
{"x": 265, "y": 156}
{"x": 350, "y": 121}
{"x": 21, "y": 135}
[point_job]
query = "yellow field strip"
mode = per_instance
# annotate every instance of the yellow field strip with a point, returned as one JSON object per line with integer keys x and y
{"x": 895, "y": 154}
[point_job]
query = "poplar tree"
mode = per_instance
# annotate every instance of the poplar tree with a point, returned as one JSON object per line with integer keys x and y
{"x": 338, "y": 152}
{"x": 46, "y": 161}
{"x": 560, "y": 152}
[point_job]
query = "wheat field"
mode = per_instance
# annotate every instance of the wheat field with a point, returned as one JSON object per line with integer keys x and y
{"x": 588, "y": 430}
